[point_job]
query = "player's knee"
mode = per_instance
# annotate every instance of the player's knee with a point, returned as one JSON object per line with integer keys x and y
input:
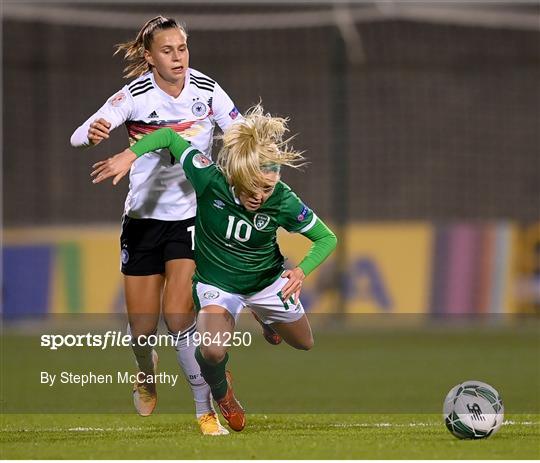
{"x": 179, "y": 322}
{"x": 213, "y": 354}
{"x": 306, "y": 344}
{"x": 142, "y": 329}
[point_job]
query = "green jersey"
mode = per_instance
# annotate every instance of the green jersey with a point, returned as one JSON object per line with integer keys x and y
{"x": 235, "y": 249}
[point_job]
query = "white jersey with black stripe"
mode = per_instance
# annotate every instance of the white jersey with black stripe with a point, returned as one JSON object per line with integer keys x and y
{"x": 158, "y": 188}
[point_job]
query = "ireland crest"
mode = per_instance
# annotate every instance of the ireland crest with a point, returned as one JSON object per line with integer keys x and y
{"x": 261, "y": 221}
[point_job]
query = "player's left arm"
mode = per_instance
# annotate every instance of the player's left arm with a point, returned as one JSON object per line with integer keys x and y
{"x": 324, "y": 242}
{"x": 225, "y": 111}
{"x": 298, "y": 218}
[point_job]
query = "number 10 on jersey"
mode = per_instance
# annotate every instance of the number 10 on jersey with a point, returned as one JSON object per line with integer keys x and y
{"x": 242, "y": 229}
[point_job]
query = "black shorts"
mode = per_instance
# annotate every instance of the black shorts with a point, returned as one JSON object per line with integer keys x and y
{"x": 146, "y": 244}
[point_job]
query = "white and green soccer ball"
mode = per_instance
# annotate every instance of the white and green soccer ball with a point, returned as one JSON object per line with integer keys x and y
{"x": 473, "y": 410}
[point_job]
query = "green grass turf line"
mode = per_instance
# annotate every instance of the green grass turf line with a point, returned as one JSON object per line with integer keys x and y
{"x": 320, "y": 436}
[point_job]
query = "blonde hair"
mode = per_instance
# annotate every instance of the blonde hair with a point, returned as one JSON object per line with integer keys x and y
{"x": 134, "y": 49}
{"x": 253, "y": 147}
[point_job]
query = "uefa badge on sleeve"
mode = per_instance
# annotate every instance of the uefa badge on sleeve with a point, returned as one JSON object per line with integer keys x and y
{"x": 234, "y": 113}
{"x": 303, "y": 213}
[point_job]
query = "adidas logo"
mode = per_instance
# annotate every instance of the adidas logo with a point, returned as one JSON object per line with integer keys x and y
{"x": 153, "y": 115}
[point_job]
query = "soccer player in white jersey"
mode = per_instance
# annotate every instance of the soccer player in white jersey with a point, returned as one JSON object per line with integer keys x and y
{"x": 159, "y": 215}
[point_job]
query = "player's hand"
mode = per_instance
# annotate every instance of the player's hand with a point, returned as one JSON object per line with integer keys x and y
{"x": 294, "y": 285}
{"x": 117, "y": 166}
{"x": 99, "y": 130}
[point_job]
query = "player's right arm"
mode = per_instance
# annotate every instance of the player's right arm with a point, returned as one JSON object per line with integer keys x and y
{"x": 195, "y": 163}
{"x": 97, "y": 127}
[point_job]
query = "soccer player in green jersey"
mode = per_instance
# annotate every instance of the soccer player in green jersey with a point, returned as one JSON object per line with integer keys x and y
{"x": 241, "y": 203}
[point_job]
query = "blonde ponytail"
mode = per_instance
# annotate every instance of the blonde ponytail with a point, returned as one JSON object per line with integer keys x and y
{"x": 253, "y": 147}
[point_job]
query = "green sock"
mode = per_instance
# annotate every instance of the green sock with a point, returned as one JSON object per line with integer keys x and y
{"x": 214, "y": 375}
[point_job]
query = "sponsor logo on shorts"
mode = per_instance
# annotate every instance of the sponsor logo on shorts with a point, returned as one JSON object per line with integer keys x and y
{"x": 199, "y": 109}
{"x": 117, "y": 99}
{"x": 124, "y": 256}
{"x": 200, "y": 161}
{"x": 261, "y": 221}
{"x": 211, "y": 294}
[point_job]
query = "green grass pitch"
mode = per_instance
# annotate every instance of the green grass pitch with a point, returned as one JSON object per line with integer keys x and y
{"x": 266, "y": 437}
{"x": 360, "y": 394}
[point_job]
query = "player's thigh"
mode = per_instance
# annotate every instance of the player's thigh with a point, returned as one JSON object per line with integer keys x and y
{"x": 215, "y": 326}
{"x": 143, "y": 302}
{"x": 286, "y": 316}
{"x": 143, "y": 268}
{"x": 177, "y": 296}
{"x": 178, "y": 240}
{"x": 217, "y": 311}
{"x": 297, "y": 333}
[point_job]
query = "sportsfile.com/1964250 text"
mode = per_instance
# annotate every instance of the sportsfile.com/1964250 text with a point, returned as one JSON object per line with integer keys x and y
{"x": 119, "y": 339}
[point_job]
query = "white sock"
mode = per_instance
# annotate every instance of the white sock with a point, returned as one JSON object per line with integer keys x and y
{"x": 185, "y": 355}
{"x": 143, "y": 356}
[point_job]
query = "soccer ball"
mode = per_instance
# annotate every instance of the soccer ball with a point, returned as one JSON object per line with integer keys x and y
{"x": 473, "y": 410}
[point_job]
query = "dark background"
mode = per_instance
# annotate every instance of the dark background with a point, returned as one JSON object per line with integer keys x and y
{"x": 411, "y": 119}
